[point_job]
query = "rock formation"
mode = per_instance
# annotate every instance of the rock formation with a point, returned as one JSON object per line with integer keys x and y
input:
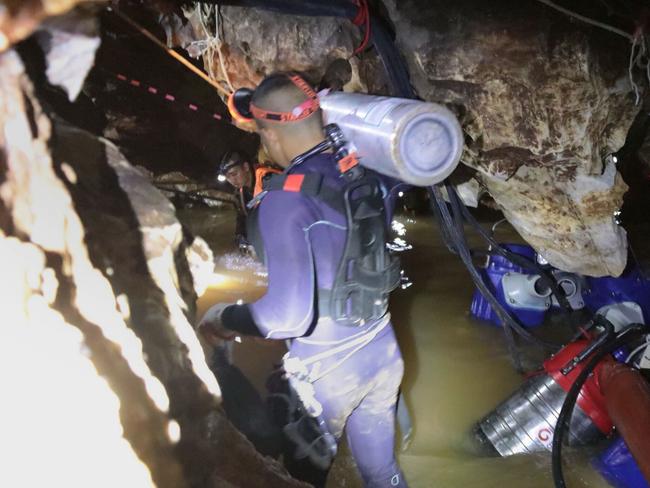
{"x": 105, "y": 382}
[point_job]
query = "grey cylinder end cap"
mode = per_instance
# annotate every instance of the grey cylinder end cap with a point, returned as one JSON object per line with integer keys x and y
{"x": 433, "y": 147}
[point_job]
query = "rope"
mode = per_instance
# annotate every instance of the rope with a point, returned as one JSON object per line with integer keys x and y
{"x": 219, "y": 53}
{"x": 169, "y": 51}
{"x": 213, "y": 45}
{"x": 587, "y": 20}
{"x": 630, "y": 68}
{"x": 165, "y": 95}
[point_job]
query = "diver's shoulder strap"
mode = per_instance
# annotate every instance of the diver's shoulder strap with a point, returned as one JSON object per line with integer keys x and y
{"x": 310, "y": 184}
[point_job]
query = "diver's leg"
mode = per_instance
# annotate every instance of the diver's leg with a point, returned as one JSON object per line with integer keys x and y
{"x": 335, "y": 402}
{"x": 371, "y": 429}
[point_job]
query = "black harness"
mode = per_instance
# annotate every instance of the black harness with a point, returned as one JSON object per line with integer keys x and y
{"x": 367, "y": 271}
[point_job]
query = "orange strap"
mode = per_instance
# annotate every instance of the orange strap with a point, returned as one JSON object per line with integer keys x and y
{"x": 260, "y": 174}
{"x": 302, "y": 111}
{"x": 234, "y": 113}
{"x": 348, "y": 162}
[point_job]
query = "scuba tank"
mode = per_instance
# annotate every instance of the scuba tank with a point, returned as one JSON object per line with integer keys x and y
{"x": 417, "y": 142}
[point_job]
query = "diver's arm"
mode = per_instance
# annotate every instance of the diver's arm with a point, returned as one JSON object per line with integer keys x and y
{"x": 287, "y": 308}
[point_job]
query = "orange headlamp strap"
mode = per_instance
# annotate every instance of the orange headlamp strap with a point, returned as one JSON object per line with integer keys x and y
{"x": 302, "y": 111}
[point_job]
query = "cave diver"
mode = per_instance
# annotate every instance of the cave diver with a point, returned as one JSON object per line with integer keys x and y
{"x": 320, "y": 227}
{"x": 239, "y": 173}
{"x": 246, "y": 178}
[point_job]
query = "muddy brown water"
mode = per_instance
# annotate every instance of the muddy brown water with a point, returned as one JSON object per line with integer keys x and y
{"x": 457, "y": 368}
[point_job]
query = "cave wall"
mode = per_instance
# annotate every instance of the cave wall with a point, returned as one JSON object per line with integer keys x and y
{"x": 104, "y": 381}
{"x": 542, "y": 100}
{"x": 547, "y": 101}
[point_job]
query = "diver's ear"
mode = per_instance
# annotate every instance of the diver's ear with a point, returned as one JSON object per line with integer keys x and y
{"x": 272, "y": 142}
{"x": 270, "y": 138}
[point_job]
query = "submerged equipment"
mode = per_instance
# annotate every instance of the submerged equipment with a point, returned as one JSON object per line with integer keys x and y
{"x": 529, "y": 308}
{"x": 622, "y": 299}
{"x": 367, "y": 271}
{"x": 524, "y": 292}
{"x": 619, "y": 468}
{"x": 526, "y": 422}
{"x": 590, "y": 371}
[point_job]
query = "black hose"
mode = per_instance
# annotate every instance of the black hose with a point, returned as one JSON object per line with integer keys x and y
{"x": 454, "y": 227}
{"x": 445, "y": 231}
{"x": 446, "y": 222}
{"x": 572, "y": 396}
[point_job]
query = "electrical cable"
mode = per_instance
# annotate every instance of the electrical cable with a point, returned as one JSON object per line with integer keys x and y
{"x": 636, "y": 351}
{"x": 460, "y": 244}
{"x": 547, "y": 278}
{"x": 572, "y": 396}
{"x": 509, "y": 325}
{"x": 457, "y": 203}
{"x": 362, "y": 18}
{"x": 587, "y": 20}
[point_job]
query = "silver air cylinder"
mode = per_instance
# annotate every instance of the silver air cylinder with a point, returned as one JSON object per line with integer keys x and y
{"x": 417, "y": 142}
{"x": 525, "y": 422}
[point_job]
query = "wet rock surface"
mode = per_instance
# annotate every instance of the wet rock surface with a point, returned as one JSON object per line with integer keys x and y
{"x": 257, "y": 42}
{"x": 97, "y": 272}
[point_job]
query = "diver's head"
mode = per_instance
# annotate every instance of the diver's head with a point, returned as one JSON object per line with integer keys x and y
{"x": 288, "y": 116}
{"x": 236, "y": 170}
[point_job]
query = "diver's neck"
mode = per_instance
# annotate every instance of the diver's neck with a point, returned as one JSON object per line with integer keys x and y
{"x": 302, "y": 146}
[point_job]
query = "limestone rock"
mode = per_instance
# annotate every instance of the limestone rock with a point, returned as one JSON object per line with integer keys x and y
{"x": 257, "y": 42}
{"x": 69, "y": 43}
{"x": 544, "y": 103}
{"x": 75, "y": 350}
{"x": 201, "y": 261}
{"x": 99, "y": 359}
{"x": 19, "y": 18}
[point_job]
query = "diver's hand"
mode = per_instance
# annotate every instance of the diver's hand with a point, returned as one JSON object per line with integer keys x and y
{"x": 211, "y": 327}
